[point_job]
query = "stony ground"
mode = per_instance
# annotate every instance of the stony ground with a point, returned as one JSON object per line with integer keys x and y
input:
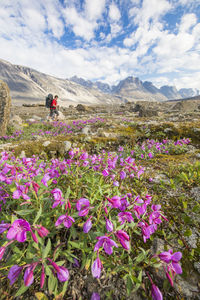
{"x": 175, "y": 178}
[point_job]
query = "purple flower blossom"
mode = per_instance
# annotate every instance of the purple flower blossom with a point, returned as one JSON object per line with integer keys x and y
{"x": 42, "y": 231}
{"x": 42, "y": 278}
{"x": 96, "y": 268}
{"x": 14, "y": 273}
{"x": 34, "y": 237}
{"x": 18, "y": 230}
{"x": 115, "y": 201}
{"x": 76, "y": 263}
{"x": 105, "y": 172}
{"x": 116, "y": 183}
{"x": 57, "y": 194}
{"x": 95, "y": 296}
{"x": 122, "y": 175}
{"x": 147, "y": 230}
{"x": 35, "y": 186}
{"x": 45, "y": 179}
{"x": 63, "y": 274}
{"x": 123, "y": 238}
{"x": 28, "y": 276}
{"x": 83, "y": 206}
{"x": 120, "y": 149}
{"x": 109, "y": 225}
{"x": 106, "y": 243}
{"x": 150, "y": 155}
{"x": 4, "y": 227}
{"x": 66, "y": 220}
{"x": 2, "y": 251}
{"x": 87, "y": 225}
{"x": 172, "y": 261}
{"x": 125, "y": 216}
{"x": 174, "y": 266}
{"x": 156, "y": 293}
{"x": 166, "y": 256}
{"x": 20, "y": 192}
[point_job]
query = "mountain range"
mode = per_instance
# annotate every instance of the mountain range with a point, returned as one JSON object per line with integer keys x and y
{"x": 29, "y": 85}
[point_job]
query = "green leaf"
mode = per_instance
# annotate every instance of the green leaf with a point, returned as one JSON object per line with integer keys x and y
{"x": 140, "y": 257}
{"x": 188, "y": 232}
{"x": 52, "y": 283}
{"x": 47, "y": 249}
{"x": 140, "y": 277}
{"x": 16, "y": 250}
{"x": 48, "y": 270}
{"x": 180, "y": 242}
{"x": 24, "y": 212}
{"x": 184, "y": 204}
{"x": 38, "y": 215}
{"x": 76, "y": 245}
{"x": 129, "y": 285}
{"x": 196, "y": 208}
{"x": 22, "y": 290}
{"x": 68, "y": 192}
{"x": 60, "y": 263}
{"x": 41, "y": 296}
{"x": 136, "y": 287}
{"x": 64, "y": 287}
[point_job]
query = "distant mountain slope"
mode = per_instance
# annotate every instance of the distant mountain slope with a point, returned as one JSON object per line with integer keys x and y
{"x": 27, "y": 84}
{"x": 129, "y": 89}
{"x": 132, "y": 88}
{"x": 187, "y": 93}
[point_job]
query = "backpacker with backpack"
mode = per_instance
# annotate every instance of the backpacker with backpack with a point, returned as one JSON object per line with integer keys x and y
{"x": 49, "y": 99}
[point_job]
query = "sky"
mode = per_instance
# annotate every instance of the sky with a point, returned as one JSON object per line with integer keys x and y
{"x": 105, "y": 40}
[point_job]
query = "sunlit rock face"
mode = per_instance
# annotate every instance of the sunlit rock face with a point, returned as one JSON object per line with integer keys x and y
{"x": 5, "y": 104}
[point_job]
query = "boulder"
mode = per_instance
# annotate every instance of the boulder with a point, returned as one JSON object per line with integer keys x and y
{"x": 61, "y": 116}
{"x": 148, "y": 112}
{"x": 81, "y": 107}
{"x": 86, "y": 130}
{"x": 67, "y": 145}
{"x": 16, "y": 122}
{"x": 5, "y": 105}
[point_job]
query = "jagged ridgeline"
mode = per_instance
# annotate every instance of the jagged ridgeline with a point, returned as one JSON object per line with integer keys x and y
{"x": 29, "y": 85}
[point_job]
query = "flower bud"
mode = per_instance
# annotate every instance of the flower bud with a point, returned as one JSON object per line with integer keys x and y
{"x": 2, "y": 251}
{"x": 156, "y": 293}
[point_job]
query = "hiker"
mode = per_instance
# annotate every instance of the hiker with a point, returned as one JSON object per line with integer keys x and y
{"x": 54, "y": 108}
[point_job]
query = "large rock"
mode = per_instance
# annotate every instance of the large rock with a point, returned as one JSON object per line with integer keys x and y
{"x": 61, "y": 116}
{"x": 16, "y": 123}
{"x": 5, "y": 104}
{"x": 148, "y": 113}
{"x": 81, "y": 107}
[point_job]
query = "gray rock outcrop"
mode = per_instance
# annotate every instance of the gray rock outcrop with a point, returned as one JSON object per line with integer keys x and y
{"x": 5, "y": 105}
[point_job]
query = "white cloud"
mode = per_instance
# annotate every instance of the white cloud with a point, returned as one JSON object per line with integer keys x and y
{"x": 94, "y": 9}
{"x": 80, "y": 26}
{"x": 151, "y": 10}
{"x": 30, "y": 35}
{"x": 187, "y": 80}
{"x": 84, "y": 23}
{"x": 188, "y": 2}
{"x": 114, "y": 12}
{"x": 187, "y": 21}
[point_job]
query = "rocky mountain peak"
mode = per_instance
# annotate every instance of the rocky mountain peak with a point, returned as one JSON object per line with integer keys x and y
{"x": 150, "y": 87}
{"x": 170, "y": 92}
{"x": 27, "y": 84}
{"x": 81, "y": 81}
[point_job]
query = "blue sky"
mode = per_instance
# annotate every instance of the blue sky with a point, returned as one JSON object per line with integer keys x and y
{"x": 106, "y": 40}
